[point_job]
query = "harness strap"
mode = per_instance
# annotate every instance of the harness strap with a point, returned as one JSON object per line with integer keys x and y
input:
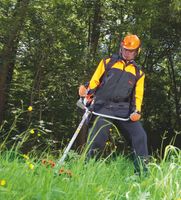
{"x": 114, "y": 58}
{"x": 138, "y": 76}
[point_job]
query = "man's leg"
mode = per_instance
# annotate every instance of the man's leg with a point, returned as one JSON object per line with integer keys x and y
{"x": 98, "y": 136}
{"x": 138, "y": 137}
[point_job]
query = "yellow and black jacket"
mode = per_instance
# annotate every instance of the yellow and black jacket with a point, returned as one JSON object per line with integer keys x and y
{"x": 120, "y": 88}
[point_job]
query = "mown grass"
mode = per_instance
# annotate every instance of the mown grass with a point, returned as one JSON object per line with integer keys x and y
{"x": 28, "y": 179}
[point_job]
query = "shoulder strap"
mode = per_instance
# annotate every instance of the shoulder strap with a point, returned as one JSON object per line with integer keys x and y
{"x": 137, "y": 68}
{"x": 113, "y": 59}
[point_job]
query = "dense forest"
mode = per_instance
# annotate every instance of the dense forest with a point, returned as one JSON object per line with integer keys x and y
{"x": 49, "y": 47}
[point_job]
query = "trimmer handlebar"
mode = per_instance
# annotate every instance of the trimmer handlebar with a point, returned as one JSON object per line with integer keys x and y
{"x": 82, "y": 106}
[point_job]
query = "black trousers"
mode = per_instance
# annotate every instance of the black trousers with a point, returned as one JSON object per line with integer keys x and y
{"x": 132, "y": 131}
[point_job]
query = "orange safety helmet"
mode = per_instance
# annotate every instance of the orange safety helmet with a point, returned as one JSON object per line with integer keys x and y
{"x": 131, "y": 42}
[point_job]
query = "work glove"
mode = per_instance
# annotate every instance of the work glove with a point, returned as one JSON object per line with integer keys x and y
{"x": 86, "y": 95}
{"x": 82, "y": 91}
{"x": 135, "y": 116}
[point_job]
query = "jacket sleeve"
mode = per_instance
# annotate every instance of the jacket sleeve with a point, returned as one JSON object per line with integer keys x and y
{"x": 95, "y": 80}
{"x": 139, "y": 92}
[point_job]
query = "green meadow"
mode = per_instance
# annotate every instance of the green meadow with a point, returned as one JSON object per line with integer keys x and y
{"x": 26, "y": 177}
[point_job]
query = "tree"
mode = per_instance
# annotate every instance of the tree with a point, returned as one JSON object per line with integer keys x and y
{"x": 10, "y": 45}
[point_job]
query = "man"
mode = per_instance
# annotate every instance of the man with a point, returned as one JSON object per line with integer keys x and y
{"x": 116, "y": 89}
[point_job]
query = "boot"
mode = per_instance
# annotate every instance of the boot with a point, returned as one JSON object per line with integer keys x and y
{"x": 140, "y": 165}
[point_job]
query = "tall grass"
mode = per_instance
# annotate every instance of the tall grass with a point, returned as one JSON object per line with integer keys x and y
{"x": 28, "y": 179}
{"x": 25, "y": 177}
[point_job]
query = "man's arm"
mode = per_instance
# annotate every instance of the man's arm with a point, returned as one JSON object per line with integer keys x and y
{"x": 95, "y": 80}
{"x": 139, "y": 92}
{"x": 138, "y": 98}
{"x": 87, "y": 91}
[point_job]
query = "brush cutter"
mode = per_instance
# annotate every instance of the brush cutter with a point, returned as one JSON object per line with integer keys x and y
{"x": 84, "y": 117}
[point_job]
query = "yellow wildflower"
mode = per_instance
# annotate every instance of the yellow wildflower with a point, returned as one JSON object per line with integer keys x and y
{"x": 110, "y": 129}
{"x": 30, "y": 108}
{"x": 31, "y": 166}
{"x": 25, "y": 156}
{"x": 32, "y": 131}
{"x": 2, "y": 182}
{"x": 39, "y": 134}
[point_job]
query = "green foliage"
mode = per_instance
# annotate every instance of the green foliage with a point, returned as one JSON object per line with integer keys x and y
{"x": 26, "y": 177}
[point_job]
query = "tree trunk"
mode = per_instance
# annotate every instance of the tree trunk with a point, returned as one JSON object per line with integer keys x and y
{"x": 95, "y": 33}
{"x": 174, "y": 85}
{"x": 9, "y": 51}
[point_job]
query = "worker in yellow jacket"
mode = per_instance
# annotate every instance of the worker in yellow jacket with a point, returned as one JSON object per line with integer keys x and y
{"x": 116, "y": 89}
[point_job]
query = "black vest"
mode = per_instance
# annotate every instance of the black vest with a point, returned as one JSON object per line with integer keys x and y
{"x": 117, "y": 88}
